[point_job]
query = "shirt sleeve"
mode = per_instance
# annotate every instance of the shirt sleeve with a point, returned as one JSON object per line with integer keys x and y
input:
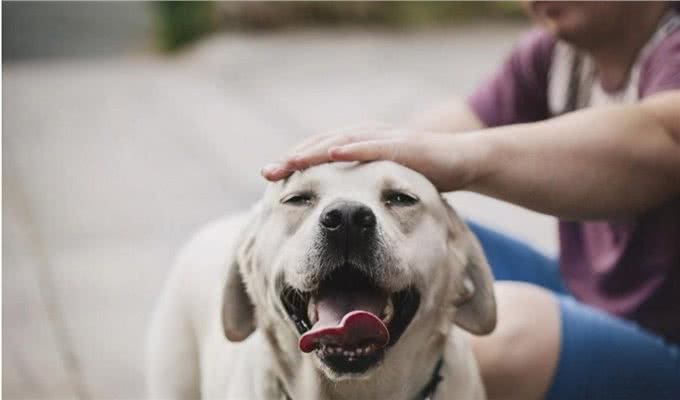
{"x": 661, "y": 71}
{"x": 518, "y": 92}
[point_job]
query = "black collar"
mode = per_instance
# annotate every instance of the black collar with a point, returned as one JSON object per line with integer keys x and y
{"x": 429, "y": 389}
{"x": 425, "y": 394}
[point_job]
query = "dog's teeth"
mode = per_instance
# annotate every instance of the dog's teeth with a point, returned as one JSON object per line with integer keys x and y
{"x": 359, "y": 351}
{"x": 367, "y": 349}
{"x": 388, "y": 311}
{"x": 311, "y": 311}
{"x": 345, "y": 353}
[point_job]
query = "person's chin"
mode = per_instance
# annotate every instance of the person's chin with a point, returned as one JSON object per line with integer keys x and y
{"x": 564, "y": 24}
{"x": 560, "y": 18}
{"x": 548, "y": 10}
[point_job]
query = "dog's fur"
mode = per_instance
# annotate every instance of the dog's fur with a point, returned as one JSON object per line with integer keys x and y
{"x": 227, "y": 283}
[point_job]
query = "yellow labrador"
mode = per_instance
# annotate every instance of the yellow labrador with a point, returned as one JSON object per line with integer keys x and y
{"x": 345, "y": 282}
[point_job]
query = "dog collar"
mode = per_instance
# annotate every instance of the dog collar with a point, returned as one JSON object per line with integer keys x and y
{"x": 425, "y": 394}
{"x": 429, "y": 389}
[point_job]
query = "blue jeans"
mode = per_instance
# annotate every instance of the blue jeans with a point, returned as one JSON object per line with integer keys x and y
{"x": 602, "y": 357}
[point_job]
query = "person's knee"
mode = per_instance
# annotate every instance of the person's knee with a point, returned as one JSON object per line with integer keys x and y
{"x": 518, "y": 359}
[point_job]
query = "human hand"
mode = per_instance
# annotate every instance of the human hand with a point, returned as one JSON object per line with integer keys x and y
{"x": 446, "y": 160}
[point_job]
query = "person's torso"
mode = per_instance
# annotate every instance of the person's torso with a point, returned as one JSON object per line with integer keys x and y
{"x": 629, "y": 268}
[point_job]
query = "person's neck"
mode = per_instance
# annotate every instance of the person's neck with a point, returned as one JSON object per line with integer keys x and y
{"x": 614, "y": 58}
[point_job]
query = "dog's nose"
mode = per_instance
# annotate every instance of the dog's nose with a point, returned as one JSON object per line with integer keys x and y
{"x": 348, "y": 215}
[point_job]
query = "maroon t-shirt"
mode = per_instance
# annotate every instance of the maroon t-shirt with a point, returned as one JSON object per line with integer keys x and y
{"x": 629, "y": 268}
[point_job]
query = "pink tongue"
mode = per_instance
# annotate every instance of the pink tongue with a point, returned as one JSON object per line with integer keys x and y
{"x": 347, "y": 319}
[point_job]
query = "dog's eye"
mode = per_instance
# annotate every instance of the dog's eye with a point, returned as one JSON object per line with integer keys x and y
{"x": 395, "y": 198}
{"x": 298, "y": 199}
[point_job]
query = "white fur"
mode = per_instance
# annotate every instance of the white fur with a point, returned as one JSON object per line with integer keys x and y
{"x": 190, "y": 358}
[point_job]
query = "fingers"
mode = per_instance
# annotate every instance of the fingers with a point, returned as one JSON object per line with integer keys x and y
{"x": 274, "y": 172}
{"x": 315, "y": 153}
{"x": 315, "y": 139}
{"x": 314, "y": 150}
{"x": 443, "y": 159}
{"x": 318, "y": 153}
{"x": 392, "y": 149}
{"x": 432, "y": 158}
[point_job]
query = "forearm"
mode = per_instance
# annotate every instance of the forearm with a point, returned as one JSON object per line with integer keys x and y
{"x": 598, "y": 163}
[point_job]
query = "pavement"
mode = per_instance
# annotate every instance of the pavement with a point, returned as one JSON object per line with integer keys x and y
{"x": 110, "y": 164}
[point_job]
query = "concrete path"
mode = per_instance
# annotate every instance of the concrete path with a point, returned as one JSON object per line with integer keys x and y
{"x": 109, "y": 165}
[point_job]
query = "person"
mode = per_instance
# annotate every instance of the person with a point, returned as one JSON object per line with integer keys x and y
{"x": 582, "y": 121}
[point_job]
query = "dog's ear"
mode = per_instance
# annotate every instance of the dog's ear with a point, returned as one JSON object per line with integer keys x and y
{"x": 238, "y": 311}
{"x": 476, "y": 303}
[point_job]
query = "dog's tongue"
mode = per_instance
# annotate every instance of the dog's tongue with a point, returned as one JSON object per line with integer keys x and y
{"x": 347, "y": 318}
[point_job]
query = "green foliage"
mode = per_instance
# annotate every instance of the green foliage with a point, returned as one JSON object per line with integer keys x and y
{"x": 181, "y": 22}
{"x": 429, "y": 13}
{"x": 397, "y": 14}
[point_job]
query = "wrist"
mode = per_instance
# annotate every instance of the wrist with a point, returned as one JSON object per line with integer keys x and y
{"x": 484, "y": 153}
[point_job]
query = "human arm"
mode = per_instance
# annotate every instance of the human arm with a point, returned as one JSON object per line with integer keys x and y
{"x": 515, "y": 93}
{"x": 454, "y": 116}
{"x": 596, "y": 163}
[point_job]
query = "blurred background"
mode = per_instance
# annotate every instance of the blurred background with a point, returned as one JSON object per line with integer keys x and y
{"x": 126, "y": 126}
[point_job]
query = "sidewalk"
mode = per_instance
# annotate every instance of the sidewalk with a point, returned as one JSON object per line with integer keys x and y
{"x": 109, "y": 165}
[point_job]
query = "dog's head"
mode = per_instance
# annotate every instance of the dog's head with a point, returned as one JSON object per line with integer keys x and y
{"x": 354, "y": 259}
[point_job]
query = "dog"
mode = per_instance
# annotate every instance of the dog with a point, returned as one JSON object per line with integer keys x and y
{"x": 346, "y": 281}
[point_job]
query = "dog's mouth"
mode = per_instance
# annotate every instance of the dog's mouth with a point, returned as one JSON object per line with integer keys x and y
{"x": 349, "y": 321}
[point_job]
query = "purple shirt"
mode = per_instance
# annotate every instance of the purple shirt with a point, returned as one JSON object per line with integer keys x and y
{"x": 629, "y": 268}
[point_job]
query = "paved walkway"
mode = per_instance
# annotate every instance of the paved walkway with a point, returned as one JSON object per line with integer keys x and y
{"x": 109, "y": 165}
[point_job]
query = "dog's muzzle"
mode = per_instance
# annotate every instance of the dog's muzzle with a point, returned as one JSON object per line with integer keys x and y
{"x": 349, "y": 319}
